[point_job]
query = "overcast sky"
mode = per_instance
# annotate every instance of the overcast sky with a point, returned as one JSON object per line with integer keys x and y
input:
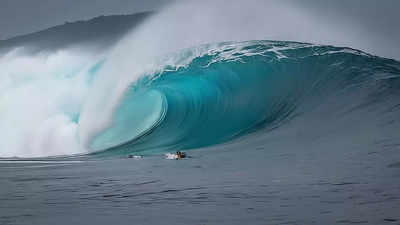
{"x": 26, "y": 16}
{"x": 377, "y": 20}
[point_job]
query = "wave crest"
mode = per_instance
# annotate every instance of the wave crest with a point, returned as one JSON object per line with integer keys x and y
{"x": 229, "y": 89}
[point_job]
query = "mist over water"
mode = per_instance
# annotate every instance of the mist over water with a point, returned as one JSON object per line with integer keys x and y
{"x": 73, "y": 94}
{"x": 188, "y": 24}
{"x": 40, "y": 100}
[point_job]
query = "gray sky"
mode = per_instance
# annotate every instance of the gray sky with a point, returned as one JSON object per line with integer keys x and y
{"x": 376, "y": 20}
{"x": 26, "y": 16}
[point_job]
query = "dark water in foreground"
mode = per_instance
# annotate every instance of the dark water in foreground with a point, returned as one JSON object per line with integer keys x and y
{"x": 234, "y": 185}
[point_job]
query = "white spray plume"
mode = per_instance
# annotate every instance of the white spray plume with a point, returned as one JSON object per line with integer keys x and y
{"x": 39, "y": 96}
{"x": 187, "y": 24}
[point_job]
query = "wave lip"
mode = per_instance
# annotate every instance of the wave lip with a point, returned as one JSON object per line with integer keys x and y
{"x": 230, "y": 89}
{"x": 196, "y": 97}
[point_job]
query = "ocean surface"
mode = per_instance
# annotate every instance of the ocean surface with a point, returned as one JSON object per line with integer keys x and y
{"x": 276, "y": 132}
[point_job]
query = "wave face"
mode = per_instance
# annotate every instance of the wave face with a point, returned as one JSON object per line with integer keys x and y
{"x": 189, "y": 99}
{"x": 229, "y": 90}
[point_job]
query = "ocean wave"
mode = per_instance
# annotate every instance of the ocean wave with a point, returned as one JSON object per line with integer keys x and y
{"x": 227, "y": 90}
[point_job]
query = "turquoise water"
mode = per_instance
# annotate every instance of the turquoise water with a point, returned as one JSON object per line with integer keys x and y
{"x": 276, "y": 133}
{"x": 232, "y": 89}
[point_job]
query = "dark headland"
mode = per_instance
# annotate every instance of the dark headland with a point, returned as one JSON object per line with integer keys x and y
{"x": 102, "y": 31}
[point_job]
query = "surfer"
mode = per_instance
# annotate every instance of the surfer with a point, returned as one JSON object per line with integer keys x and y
{"x": 177, "y": 155}
{"x": 180, "y": 155}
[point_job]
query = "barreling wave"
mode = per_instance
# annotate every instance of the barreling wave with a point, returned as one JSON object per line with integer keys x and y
{"x": 227, "y": 90}
{"x": 197, "y": 97}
